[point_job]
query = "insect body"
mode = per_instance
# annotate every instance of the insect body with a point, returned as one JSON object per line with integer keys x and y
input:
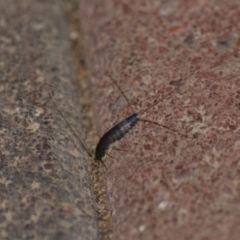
{"x": 121, "y": 129}
{"x": 115, "y": 134}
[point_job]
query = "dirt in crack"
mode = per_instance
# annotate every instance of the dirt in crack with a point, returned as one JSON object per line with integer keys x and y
{"x": 70, "y": 8}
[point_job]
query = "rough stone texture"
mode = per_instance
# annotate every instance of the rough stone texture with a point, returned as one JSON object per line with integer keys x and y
{"x": 163, "y": 185}
{"x": 45, "y": 188}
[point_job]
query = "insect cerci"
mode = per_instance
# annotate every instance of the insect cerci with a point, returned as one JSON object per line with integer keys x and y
{"x": 119, "y": 130}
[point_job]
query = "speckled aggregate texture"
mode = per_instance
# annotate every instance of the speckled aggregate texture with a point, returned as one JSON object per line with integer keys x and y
{"x": 185, "y": 57}
{"x": 45, "y": 188}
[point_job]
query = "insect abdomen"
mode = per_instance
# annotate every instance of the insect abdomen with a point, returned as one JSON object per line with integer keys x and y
{"x": 114, "y": 134}
{"x": 122, "y": 128}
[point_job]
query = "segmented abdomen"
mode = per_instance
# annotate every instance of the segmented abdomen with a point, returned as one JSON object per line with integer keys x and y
{"x": 115, "y": 134}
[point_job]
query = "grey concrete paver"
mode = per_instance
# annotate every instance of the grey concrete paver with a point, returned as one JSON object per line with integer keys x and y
{"x": 45, "y": 185}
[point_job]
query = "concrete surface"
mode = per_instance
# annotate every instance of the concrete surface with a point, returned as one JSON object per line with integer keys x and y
{"x": 45, "y": 186}
{"x": 163, "y": 185}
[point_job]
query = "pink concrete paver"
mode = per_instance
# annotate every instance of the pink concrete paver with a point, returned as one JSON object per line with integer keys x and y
{"x": 163, "y": 185}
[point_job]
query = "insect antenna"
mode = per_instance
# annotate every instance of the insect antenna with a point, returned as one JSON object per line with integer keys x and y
{"x": 67, "y": 123}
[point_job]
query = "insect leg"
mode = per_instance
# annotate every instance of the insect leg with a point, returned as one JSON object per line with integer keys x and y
{"x": 102, "y": 162}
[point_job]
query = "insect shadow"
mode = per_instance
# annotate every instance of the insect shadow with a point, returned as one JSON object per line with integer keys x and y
{"x": 119, "y": 130}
